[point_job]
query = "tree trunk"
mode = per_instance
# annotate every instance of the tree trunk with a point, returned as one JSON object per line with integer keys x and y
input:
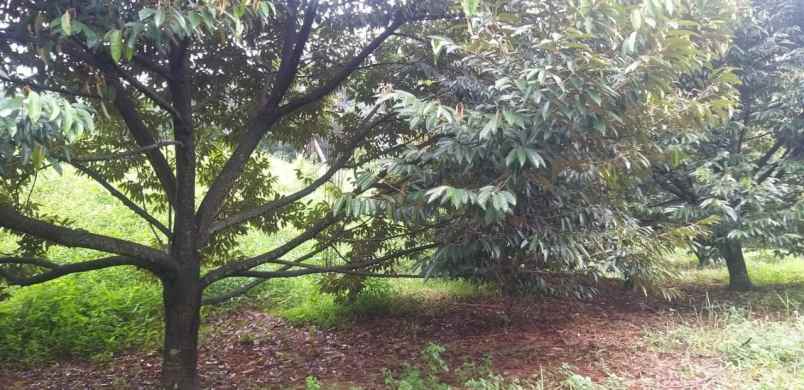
{"x": 732, "y": 251}
{"x": 182, "y": 301}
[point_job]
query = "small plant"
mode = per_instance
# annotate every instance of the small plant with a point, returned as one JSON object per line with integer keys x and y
{"x": 412, "y": 378}
{"x": 576, "y": 381}
{"x": 311, "y": 383}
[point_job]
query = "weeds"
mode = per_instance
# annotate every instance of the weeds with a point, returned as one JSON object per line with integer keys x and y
{"x": 758, "y": 352}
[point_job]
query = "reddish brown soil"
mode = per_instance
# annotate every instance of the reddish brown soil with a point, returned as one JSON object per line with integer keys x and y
{"x": 249, "y": 349}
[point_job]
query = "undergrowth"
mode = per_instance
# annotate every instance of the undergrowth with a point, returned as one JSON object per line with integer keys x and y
{"x": 432, "y": 372}
{"x": 87, "y": 315}
{"x": 757, "y": 351}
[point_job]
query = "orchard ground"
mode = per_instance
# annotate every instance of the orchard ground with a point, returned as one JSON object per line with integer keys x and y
{"x": 101, "y": 330}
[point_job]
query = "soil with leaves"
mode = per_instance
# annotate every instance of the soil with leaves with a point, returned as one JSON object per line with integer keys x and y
{"x": 612, "y": 336}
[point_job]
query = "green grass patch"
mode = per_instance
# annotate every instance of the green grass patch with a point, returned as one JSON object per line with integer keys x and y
{"x": 88, "y": 315}
{"x": 300, "y": 301}
{"x": 764, "y": 268}
{"x": 757, "y": 352}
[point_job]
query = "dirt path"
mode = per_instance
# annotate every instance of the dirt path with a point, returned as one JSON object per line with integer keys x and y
{"x": 249, "y": 349}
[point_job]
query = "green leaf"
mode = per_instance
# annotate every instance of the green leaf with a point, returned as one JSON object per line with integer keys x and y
{"x": 116, "y": 44}
{"x": 513, "y": 119}
{"x": 629, "y": 46}
{"x": 595, "y": 96}
{"x": 54, "y": 108}
{"x": 146, "y": 13}
{"x": 535, "y": 158}
{"x": 66, "y": 26}
{"x": 159, "y": 17}
{"x": 470, "y": 7}
{"x": 68, "y": 117}
{"x": 34, "y": 106}
{"x": 636, "y": 19}
{"x": 38, "y": 155}
{"x": 490, "y": 128}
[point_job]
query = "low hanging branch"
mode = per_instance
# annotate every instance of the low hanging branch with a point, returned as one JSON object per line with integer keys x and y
{"x": 11, "y": 219}
{"x": 343, "y": 269}
{"x": 55, "y": 270}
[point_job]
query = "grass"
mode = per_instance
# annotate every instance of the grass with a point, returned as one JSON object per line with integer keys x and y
{"x": 750, "y": 352}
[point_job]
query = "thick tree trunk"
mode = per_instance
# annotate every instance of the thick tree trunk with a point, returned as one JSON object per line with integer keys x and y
{"x": 732, "y": 251}
{"x": 182, "y": 300}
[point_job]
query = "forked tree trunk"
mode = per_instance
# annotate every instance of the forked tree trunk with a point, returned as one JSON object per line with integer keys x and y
{"x": 182, "y": 301}
{"x": 732, "y": 251}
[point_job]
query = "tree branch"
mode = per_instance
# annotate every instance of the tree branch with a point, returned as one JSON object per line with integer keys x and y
{"x": 340, "y": 162}
{"x": 142, "y": 135}
{"x": 262, "y": 122}
{"x": 11, "y": 219}
{"x": 124, "y": 155}
{"x": 122, "y": 198}
{"x": 263, "y": 119}
{"x": 762, "y": 161}
{"x": 350, "y": 269}
{"x": 56, "y": 270}
{"x": 245, "y": 288}
{"x": 285, "y": 271}
{"x": 151, "y": 94}
{"x": 234, "y": 293}
{"x": 148, "y": 64}
{"x": 344, "y": 73}
{"x": 246, "y": 264}
{"x": 39, "y": 88}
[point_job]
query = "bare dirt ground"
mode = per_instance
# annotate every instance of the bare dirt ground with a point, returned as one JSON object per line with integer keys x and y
{"x": 247, "y": 349}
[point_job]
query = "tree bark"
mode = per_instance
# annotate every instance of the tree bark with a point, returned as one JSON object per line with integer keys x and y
{"x": 182, "y": 301}
{"x": 732, "y": 251}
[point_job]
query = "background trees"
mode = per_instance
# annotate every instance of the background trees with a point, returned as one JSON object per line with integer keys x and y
{"x": 746, "y": 171}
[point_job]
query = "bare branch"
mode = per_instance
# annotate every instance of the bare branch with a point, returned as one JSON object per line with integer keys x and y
{"x": 234, "y": 293}
{"x": 246, "y": 264}
{"x": 40, "y": 87}
{"x": 11, "y": 219}
{"x": 285, "y": 271}
{"x": 363, "y": 265}
{"x": 55, "y": 270}
{"x": 762, "y": 161}
{"x": 264, "y": 118}
{"x": 345, "y": 72}
{"x": 122, "y": 198}
{"x": 245, "y": 288}
{"x": 28, "y": 261}
{"x": 148, "y": 64}
{"x": 142, "y": 135}
{"x": 311, "y": 271}
{"x": 136, "y": 153}
{"x": 151, "y": 94}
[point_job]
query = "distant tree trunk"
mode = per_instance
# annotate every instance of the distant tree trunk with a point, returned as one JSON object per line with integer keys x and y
{"x": 732, "y": 251}
{"x": 182, "y": 301}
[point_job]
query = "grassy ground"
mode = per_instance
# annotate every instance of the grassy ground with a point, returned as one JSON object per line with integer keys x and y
{"x": 746, "y": 340}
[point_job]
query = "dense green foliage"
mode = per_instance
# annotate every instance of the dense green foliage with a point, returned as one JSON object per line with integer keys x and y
{"x": 79, "y": 316}
{"x": 533, "y": 150}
